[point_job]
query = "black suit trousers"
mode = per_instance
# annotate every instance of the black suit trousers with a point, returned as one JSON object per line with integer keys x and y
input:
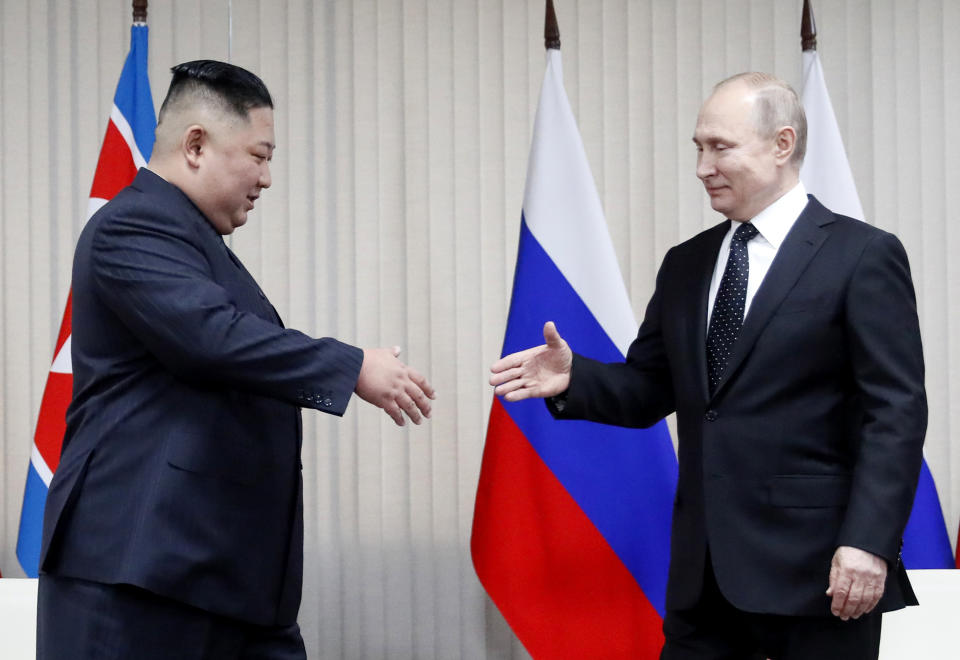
{"x": 715, "y": 630}
{"x": 83, "y": 620}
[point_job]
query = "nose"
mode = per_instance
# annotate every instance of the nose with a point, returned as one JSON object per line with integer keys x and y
{"x": 705, "y": 165}
{"x": 265, "y": 179}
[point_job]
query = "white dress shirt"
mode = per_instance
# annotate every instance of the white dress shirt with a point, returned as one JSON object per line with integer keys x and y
{"x": 773, "y": 223}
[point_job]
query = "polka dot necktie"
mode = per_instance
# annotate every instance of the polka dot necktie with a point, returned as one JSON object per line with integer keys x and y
{"x": 727, "y": 317}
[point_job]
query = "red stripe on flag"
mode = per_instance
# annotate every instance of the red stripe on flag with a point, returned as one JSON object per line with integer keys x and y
{"x": 66, "y": 325}
{"x": 554, "y": 578}
{"x": 115, "y": 169}
{"x": 52, "y": 420}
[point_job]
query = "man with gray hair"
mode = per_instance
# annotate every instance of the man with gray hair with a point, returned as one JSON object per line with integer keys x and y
{"x": 174, "y": 523}
{"x": 787, "y": 342}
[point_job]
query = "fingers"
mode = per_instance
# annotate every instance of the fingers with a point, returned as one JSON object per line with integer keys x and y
{"x": 856, "y": 582}
{"x": 393, "y": 411}
{"x": 852, "y": 609}
{"x": 515, "y": 360}
{"x": 520, "y": 394}
{"x": 422, "y": 383}
{"x": 409, "y": 406}
{"x": 871, "y": 598}
{"x": 417, "y": 401}
{"x": 510, "y": 375}
{"x": 840, "y": 590}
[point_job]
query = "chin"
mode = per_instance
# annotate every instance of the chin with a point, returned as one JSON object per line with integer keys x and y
{"x": 720, "y": 207}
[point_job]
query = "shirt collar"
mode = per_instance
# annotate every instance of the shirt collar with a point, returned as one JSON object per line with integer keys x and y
{"x": 775, "y": 221}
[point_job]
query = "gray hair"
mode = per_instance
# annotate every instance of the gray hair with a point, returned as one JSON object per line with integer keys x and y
{"x": 777, "y": 105}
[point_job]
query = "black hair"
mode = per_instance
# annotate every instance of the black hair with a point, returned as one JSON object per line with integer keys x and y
{"x": 234, "y": 88}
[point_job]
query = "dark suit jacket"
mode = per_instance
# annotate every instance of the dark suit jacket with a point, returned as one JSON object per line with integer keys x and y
{"x": 813, "y": 438}
{"x": 181, "y": 465}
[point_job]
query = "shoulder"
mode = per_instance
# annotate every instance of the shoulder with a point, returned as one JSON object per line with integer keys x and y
{"x": 852, "y": 236}
{"x": 705, "y": 244}
{"x": 820, "y": 215}
{"x": 148, "y": 206}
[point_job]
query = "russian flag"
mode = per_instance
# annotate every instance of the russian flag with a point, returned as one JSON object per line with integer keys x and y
{"x": 826, "y": 174}
{"x": 571, "y": 528}
{"x": 127, "y": 145}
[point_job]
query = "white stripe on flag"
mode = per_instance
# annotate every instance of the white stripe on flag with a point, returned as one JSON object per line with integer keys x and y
{"x": 61, "y": 363}
{"x": 40, "y": 465}
{"x": 124, "y": 127}
{"x": 826, "y": 170}
{"x": 563, "y": 211}
{"x": 94, "y": 205}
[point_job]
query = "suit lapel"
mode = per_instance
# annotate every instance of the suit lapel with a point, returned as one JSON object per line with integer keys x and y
{"x": 799, "y": 247}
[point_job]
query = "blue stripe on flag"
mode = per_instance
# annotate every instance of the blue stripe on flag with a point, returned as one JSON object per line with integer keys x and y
{"x": 623, "y": 479}
{"x": 926, "y": 543}
{"x": 133, "y": 97}
{"x": 31, "y": 522}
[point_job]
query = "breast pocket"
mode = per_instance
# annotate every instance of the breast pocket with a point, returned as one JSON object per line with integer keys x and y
{"x": 804, "y": 304}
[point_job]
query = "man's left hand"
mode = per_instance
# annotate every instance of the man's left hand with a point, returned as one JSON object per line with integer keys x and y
{"x": 856, "y": 582}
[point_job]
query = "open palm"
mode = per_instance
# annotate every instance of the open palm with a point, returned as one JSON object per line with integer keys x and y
{"x": 538, "y": 372}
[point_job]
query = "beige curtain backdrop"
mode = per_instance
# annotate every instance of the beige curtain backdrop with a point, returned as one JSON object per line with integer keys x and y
{"x": 403, "y": 129}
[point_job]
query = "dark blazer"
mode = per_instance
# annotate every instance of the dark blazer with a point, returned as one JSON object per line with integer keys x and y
{"x": 181, "y": 466}
{"x": 813, "y": 438}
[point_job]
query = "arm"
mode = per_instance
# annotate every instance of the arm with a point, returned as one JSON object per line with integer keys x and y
{"x": 152, "y": 273}
{"x": 886, "y": 360}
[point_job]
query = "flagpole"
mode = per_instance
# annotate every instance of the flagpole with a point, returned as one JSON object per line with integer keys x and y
{"x": 140, "y": 11}
{"x": 808, "y": 28}
{"x": 551, "y": 31}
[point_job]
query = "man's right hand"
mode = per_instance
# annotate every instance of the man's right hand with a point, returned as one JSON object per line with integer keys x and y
{"x": 388, "y": 383}
{"x": 540, "y": 372}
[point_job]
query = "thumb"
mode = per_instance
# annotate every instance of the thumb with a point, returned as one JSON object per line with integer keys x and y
{"x": 551, "y": 336}
{"x": 396, "y": 351}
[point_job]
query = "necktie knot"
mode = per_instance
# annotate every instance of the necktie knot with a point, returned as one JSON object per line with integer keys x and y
{"x": 745, "y": 232}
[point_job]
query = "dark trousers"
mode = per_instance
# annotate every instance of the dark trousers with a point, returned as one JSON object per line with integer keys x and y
{"x": 716, "y": 630}
{"x": 81, "y": 620}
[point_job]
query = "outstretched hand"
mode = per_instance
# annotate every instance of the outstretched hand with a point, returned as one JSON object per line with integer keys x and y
{"x": 539, "y": 372}
{"x": 388, "y": 383}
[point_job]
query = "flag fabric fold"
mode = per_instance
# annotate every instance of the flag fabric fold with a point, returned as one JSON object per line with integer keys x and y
{"x": 127, "y": 145}
{"x": 827, "y": 175}
{"x": 571, "y": 528}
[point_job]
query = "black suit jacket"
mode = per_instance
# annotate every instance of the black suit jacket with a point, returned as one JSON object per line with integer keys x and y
{"x": 181, "y": 466}
{"x": 813, "y": 438}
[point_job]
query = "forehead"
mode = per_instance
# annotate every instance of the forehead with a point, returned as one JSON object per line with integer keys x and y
{"x": 257, "y": 129}
{"x": 261, "y": 125}
{"x": 727, "y": 112}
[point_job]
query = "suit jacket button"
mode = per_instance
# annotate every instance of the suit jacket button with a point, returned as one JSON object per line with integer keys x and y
{"x": 327, "y": 402}
{"x": 711, "y": 416}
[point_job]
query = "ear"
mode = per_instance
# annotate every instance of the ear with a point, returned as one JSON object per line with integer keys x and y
{"x": 784, "y": 144}
{"x": 193, "y": 143}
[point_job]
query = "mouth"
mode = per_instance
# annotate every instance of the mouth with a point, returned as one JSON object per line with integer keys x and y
{"x": 252, "y": 200}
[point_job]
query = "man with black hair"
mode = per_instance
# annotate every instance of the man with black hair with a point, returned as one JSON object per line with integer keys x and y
{"x": 174, "y": 523}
